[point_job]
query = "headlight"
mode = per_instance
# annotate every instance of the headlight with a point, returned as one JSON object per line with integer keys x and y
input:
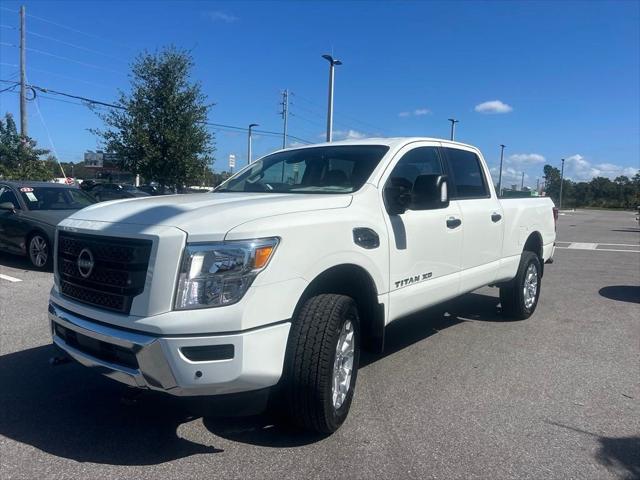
{"x": 217, "y": 274}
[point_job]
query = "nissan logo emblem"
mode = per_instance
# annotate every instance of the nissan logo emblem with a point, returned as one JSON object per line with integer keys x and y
{"x": 85, "y": 262}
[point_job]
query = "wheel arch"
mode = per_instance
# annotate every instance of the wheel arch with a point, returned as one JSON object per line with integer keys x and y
{"x": 534, "y": 244}
{"x": 356, "y": 282}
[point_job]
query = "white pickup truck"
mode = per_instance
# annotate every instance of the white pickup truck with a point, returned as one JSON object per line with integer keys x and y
{"x": 273, "y": 283}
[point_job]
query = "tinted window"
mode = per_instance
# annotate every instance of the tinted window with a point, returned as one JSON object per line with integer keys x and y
{"x": 466, "y": 173}
{"x": 51, "y": 198}
{"x": 339, "y": 169}
{"x": 419, "y": 161}
{"x": 7, "y": 195}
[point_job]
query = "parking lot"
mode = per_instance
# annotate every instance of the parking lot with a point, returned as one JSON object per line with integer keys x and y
{"x": 458, "y": 393}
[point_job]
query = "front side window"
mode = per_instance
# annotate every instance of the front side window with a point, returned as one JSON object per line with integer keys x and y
{"x": 466, "y": 172}
{"x": 7, "y": 195}
{"x": 51, "y": 198}
{"x": 332, "y": 169}
{"x": 419, "y": 161}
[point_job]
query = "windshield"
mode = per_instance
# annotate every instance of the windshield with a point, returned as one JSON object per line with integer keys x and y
{"x": 339, "y": 169}
{"x": 52, "y": 198}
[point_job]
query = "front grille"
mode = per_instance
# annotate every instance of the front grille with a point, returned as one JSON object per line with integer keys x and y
{"x": 118, "y": 274}
{"x": 107, "y": 352}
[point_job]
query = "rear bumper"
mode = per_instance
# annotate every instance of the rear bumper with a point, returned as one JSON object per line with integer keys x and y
{"x": 249, "y": 360}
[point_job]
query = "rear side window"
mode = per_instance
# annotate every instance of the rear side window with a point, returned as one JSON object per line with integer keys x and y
{"x": 466, "y": 172}
{"x": 419, "y": 161}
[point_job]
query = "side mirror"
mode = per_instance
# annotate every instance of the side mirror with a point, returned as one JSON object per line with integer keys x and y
{"x": 397, "y": 198}
{"x": 8, "y": 206}
{"x": 429, "y": 192}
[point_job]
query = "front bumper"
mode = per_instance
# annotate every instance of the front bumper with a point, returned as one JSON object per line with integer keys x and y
{"x": 159, "y": 362}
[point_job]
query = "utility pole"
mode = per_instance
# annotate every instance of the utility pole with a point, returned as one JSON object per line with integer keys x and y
{"x": 453, "y": 127}
{"x": 332, "y": 63}
{"x": 285, "y": 115}
{"x": 561, "y": 182}
{"x": 522, "y": 182}
{"x": 500, "y": 174}
{"x": 249, "y": 143}
{"x": 23, "y": 75}
{"x": 538, "y": 185}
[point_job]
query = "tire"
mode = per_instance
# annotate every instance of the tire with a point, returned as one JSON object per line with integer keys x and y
{"x": 311, "y": 399}
{"x": 518, "y": 300}
{"x": 39, "y": 251}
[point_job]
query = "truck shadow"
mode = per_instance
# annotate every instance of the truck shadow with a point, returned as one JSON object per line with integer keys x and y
{"x": 266, "y": 430}
{"x": 69, "y": 411}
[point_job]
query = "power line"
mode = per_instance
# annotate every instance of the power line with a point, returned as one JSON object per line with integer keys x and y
{"x": 75, "y": 30}
{"x": 366, "y": 124}
{"x": 49, "y": 54}
{"x": 120, "y": 107}
{"x": 79, "y": 47}
{"x": 100, "y": 85}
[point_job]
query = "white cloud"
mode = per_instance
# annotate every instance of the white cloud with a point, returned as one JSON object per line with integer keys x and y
{"x": 493, "y": 106}
{"x": 219, "y": 16}
{"x": 510, "y": 176}
{"x": 418, "y": 112}
{"x": 348, "y": 134}
{"x": 578, "y": 168}
{"x": 522, "y": 159}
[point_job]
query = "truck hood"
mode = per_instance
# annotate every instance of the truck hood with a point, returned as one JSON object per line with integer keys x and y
{"x": 207, "y": 213}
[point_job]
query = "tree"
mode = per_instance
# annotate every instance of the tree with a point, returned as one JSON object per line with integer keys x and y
{"x": 19, "y": 156}
{"x": 552, "y": 182}
{"x": 158, "y": 131}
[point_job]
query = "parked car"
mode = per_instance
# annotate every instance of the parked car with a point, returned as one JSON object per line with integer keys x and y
{"x": 29, "y": 213}
{"x": 115, "y": 191}
{"x": 273, "y": 283}
{"x": 152, "y": 190}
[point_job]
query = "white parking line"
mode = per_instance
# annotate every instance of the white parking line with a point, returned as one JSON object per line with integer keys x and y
{"x": 593, "y": 247}
{"x": 583, "y": 246}
{"x": 11, "y": 279}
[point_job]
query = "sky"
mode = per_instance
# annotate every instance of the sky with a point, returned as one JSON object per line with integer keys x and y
{"x": 550, "y": 80}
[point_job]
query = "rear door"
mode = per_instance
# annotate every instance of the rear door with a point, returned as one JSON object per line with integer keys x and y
{"x": 481, "y": 214}
{"x": 424, "y": 245}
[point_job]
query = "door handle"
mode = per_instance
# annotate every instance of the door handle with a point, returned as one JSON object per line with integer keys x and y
{"x": 453, "y": 222}
{"x": 496, "y": 217}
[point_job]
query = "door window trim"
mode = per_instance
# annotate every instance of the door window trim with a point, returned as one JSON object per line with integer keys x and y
{"x": 451, "y": 184}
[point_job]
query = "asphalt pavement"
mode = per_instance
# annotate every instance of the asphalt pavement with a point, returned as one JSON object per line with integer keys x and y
{"x": 458, "y": 393}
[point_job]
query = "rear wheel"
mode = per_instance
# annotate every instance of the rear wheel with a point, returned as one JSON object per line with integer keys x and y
{"x": 322, "y": 362}
{"x": 39, "y": 251}
{"x": 519, "y": 298}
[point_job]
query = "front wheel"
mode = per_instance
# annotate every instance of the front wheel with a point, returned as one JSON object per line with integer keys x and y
{"x": 519, "y": 298}
{"x": 322, "y": 362}
{"x": 39, "y": 251}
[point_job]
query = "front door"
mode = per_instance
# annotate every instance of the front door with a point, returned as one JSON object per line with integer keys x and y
{"x": 424, "y": 244}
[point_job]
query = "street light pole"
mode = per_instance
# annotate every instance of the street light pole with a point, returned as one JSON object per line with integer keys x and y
{"x": 561, "y": 182}
{"x": 249, "y": 143}
{"x": 453, "y": 127}
{"x": 500, "y": 174}
{"x": 332, "y": 63}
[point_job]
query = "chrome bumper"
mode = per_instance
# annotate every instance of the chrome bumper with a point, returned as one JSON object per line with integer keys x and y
{"x": 147, "y": 351}
{"x": 256, "y": 361}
